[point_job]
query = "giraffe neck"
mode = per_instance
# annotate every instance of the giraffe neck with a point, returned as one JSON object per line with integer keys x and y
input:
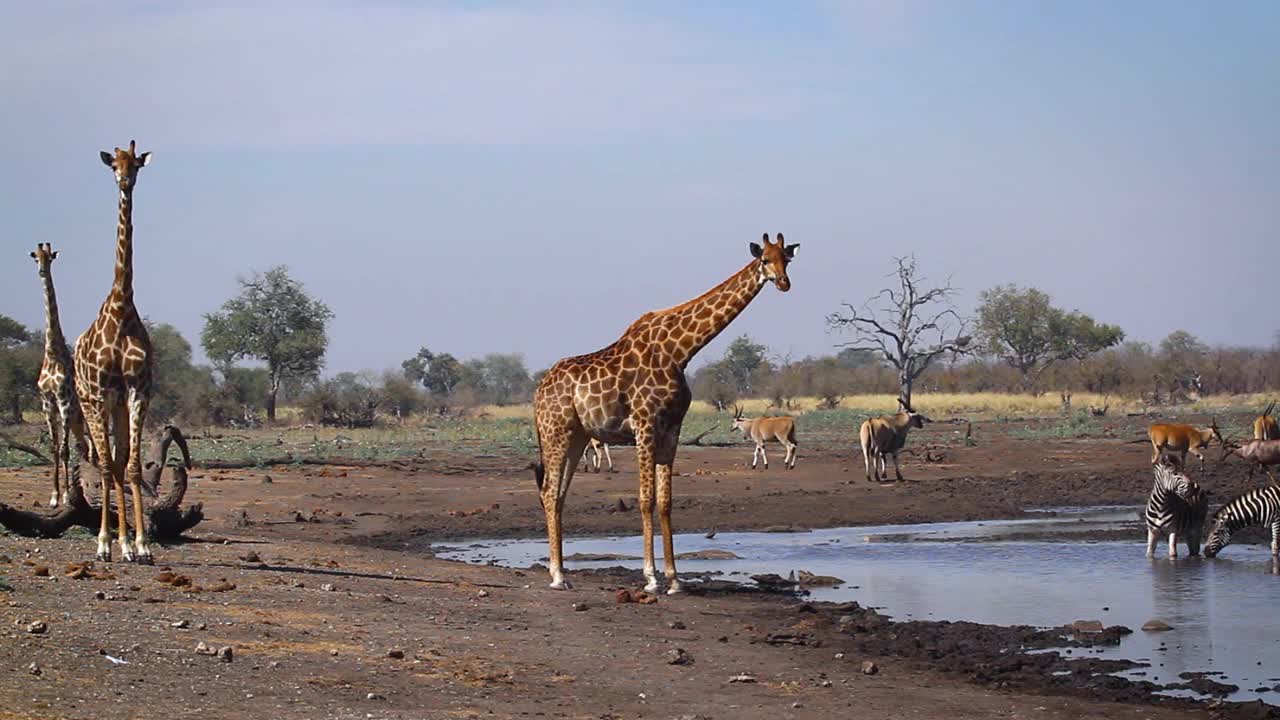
{"x": 698, "y": 322}
{"x": 54, "y": 342}
{"x": 122, "y": 288}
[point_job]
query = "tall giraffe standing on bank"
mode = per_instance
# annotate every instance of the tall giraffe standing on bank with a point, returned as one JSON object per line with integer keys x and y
{"x": 636, "y": 389}
{"x": 57, "y": 387}
{"x": 113, "y": 375}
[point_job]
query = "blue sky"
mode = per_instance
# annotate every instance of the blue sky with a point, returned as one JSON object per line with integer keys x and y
{"x": 481, "y": 177}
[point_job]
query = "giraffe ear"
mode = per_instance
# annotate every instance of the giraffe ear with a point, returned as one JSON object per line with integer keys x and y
{"x": 144, "y": 159}
{"x": 756, "y": 250}
{"x": 790, "y": 250}
{"x": 33, "y": 256}
{"x": 108, "y": 159}
{"x": 54, "y": 255}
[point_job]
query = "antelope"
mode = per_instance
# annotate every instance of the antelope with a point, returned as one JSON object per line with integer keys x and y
{"x": 763, "y": 429}
{"x": 1181, "y": 439}
{"x": 1258, "y": 453}
{"x": 591, "y": 456}
{"x": 1265, "y": 427}
{"x": 885, "y": 435}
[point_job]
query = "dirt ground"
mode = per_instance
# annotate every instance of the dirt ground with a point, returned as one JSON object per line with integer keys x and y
{"x": 332, "y": 578}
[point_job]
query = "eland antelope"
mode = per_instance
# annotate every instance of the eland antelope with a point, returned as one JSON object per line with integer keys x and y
{"x": 764, "y": 429}
{"x": 885, "y": 435}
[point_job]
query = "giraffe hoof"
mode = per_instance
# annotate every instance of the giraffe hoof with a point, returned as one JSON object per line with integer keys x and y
{"x": 674, "y": 588}
{"x": 651, "y": 587}
{"x": 561, "y": 584}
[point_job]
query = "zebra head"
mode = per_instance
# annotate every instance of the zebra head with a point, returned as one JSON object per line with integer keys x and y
{"x": 1168, "y": 477}
{"x": 1219, "y": 537}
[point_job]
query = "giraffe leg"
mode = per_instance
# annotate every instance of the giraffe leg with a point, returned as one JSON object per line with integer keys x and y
{"x": 120, "y": 457}
{"x": 95, "y": 417}
{"x": 665, "y": 459}
{"x": 83, "y": 453}
{"x": 54, "y": 424}
{"x": 70, "y": 476}
{"x": 644, "y": 457}
{"x": 137, "y": 416}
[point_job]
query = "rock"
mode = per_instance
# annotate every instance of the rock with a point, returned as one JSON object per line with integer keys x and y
{"x": 251, "y": 557}
{"x": 225, "y": 653}
{"x": 99, "y": 595}
{"x": 40, "y": 571}
{"x": 328, "y": 587}
{"x": 34, "y": 669}
{"x": 679, "y": 657}
{"x": 707, "y": 555}
{"x": 623, "y": 596}
{"x": 266, "y": 480}
{"x": 395, "y": 654}
{"x": 645, "y": 598}
{"x": 580, "y": 607}
{"x": 203, "y": 649}
{"x": 1087, "y": 626}
{"x": 743, "y": 678}
{"x": 824, "y": 683}
{"x": 869, "y": 668}
{"x": 334, "y": 652}
{"x": 180, "y": 624}
{"x": 202, "y": 626}
{"x": 676, "y": 625}
{"x": 1156, "y": 625}
{"x": 483, "y": 594}
{"x": 375, "y": 696}
{"x": 39, "y": 627}
{"x": 804, "y": 577}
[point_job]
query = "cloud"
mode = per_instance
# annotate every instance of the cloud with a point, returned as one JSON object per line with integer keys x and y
{"x": 355, "y": 74}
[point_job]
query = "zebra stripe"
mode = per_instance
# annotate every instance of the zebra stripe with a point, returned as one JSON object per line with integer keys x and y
{"x": 1177, "y": 507}
{"x": 1260, "y": 506}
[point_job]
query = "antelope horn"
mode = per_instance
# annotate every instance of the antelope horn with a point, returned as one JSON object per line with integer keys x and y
{"x": 1270, "y": 407}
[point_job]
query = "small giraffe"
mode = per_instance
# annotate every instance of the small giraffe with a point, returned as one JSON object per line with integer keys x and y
{"x": 113, "y": 375}
{"x": 57, "y": 387}
{"x": 635, "y": 389}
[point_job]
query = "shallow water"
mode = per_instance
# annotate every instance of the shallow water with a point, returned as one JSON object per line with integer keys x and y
{"x": 1223, "y": 611}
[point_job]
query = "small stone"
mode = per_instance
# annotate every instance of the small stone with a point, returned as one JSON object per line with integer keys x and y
{"x": 679, "y": 657}
{"x": 266, "y": 479}
{"x": 869, "y": 668}
{"x": 328, "y": 587}
{"x": 180, "y": 624}
{"x": 1087, "y": 626}
{"x": 99, "y": 595}
{"x": 676, "y": 625}
{"x": 395, "y": 654}
{"x": 202, "y": 626}
{"x": 797, "y": 705}
{"x": 483, "y": 594}
{"x": 743, "y": 678}
{"x": 225, "y": 653}
{"x": 203, "y": 649}
{"x": 375, "y": 696}
{"x": 333, "y": 653}
{"x": 839, "y": 656}
{"x": 1156, "y": 625}
{"x": 251, "y": 557}
{"x": 273, "y": 664}
{"x": 34, "y": 669}
{"x": 40, "y": 571}
{"x": 824, "y": 683}
{"x": 623, "y": 596}
{"x": 580, "y": 607}
{"x": 38, "y": 628}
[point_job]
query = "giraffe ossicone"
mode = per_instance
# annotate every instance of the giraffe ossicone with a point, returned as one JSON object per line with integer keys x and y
{"x": 635, "y": 390}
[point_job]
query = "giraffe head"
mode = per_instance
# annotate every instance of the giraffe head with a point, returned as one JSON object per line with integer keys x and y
{"x": 774, "y": 258}
{"x": 44, "y": 256}
{"x": 125, "y": 164}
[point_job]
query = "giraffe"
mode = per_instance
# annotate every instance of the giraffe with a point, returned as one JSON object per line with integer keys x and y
{"x": 58, "y": 388}
{"x": 113, "y": 375}
{"x": 635, "y": 389}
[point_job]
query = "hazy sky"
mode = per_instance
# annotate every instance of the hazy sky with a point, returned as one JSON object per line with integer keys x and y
{"x": 480, "y": 177}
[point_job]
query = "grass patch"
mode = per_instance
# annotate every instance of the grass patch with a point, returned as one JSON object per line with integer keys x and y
{"x": 4, "y": 584}
{"x": 1079, "y": 424}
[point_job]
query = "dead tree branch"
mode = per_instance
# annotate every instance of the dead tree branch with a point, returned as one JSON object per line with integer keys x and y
{"x": 23, "y": 447}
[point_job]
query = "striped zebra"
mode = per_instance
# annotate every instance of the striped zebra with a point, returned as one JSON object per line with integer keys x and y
{"x": 1260, "y": 506}
{"x": 1177, "y": 507}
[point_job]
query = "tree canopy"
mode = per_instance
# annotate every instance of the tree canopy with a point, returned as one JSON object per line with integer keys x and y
{"x": 1022, "y": 328}
{"x": 272, "y": 320}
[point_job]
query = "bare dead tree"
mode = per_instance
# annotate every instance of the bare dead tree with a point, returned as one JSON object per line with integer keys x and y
{"x": 910, "y": 326}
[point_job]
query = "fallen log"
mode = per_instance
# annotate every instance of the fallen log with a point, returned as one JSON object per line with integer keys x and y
{"x": 23, "y": 447}
{"x": 166, "y": 519}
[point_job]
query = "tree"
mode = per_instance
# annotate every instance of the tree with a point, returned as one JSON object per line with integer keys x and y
{"x": 21, "y": 354}
{"x": 1022, "y": 328}
{"x": 742, "y": 360}
{"x": 272, "y": 320}
{"x": 1181, "y": 355}
{"x": 506, "y": 378}
{"x": 173, "y": 373}
{"x": 910, "y": 327}
{"x": 439, "y": 373}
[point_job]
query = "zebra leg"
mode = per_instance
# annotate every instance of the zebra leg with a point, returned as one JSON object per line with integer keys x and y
{"x": 1152, "y": 539}
{"x": 1275, "y": 539}
{"x": 1173, "y": 545}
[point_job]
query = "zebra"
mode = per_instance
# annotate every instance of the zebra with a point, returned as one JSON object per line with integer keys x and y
{"x": 1260, "y": 506}
{"x": 1177, "y": 506}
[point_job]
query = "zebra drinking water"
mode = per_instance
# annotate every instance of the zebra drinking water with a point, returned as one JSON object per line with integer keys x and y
{"x": 1177, "y": 506}
{"x": 1260, "y": 506}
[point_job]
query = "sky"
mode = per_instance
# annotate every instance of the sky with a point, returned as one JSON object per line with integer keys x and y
{"x": 490, "y": 177}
